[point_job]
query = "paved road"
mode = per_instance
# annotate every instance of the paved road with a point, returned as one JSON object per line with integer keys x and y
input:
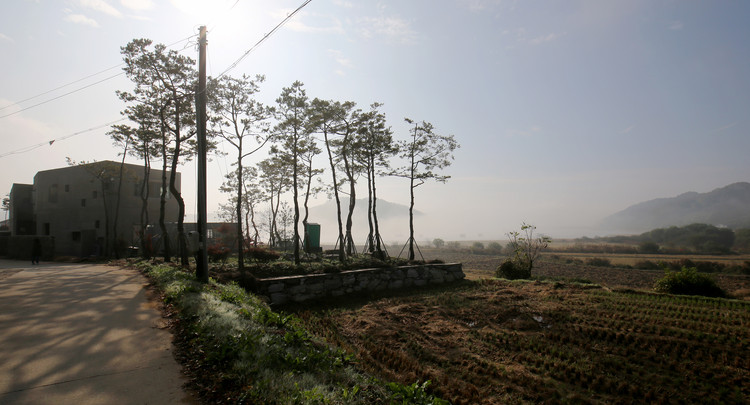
{"x": 82, "y": 334}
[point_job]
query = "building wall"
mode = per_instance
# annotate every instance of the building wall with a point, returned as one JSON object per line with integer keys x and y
{"x": 69, "y": 204}
{"x": 21, "y": 210}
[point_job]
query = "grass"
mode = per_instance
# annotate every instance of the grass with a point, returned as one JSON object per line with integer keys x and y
{"x": 240, "y": 351}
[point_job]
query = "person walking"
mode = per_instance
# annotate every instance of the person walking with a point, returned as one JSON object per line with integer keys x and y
{"x": 36, "y": 251}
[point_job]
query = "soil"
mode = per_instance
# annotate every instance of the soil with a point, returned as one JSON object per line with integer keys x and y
{"x": 478, "y": 266}
{"x": 496, "y": 342}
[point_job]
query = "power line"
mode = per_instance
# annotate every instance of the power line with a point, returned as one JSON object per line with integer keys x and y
{"x": 63, "y": 95}
{"x": 288, "y": 17}
{"x": 32, "y": 147}
{"x": 76, "y": 81}
{"x": 60, "y": 87}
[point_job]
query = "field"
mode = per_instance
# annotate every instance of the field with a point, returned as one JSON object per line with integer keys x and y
{"x": 483, "y": 266}
{"x": 495, "y": 341}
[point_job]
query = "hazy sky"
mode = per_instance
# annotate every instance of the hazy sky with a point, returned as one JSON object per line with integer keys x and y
{"x": 566, "y": 111}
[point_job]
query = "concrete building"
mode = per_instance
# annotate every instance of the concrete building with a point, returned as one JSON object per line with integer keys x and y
{"x": 77, "y": 206}
{"x": 21, "y": 210}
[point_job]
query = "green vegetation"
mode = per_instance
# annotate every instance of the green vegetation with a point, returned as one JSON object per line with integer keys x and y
{"x": 512, "y": 271}
{"x": 240, "y": 351}
{"x": 694, "y": 238}
{"x": 526, "y": 250}
{"x": 688, "y": 281}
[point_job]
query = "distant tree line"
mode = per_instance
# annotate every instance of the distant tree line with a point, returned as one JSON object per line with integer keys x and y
{"x": 355, "y": 146}
{"x": 693, "y": 238}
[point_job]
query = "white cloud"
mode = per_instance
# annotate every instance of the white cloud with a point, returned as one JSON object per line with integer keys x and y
{"x": 101, "y": 6}
{"x": 80, "y": 19}
{"x": 5, "y": 38}
{"x": 627, "y": 130}
{"x": 392, "y": 28}
{"x": 523, "y": 132}
{"x": 522, "y": 37}
{"x": 725, "y": 127}
{"x": 545, "y": 38}
{"x": 480, "y": 5}
{"x": 137, "y": 5}
{"x": 338, "y": 56}
{"x": 343, "y": 3}
{"x": 675, "y": 25}
{"x": 332, "y": 26}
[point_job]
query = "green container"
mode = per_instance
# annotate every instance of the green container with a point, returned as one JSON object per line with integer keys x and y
{"x": 312, "y": 238}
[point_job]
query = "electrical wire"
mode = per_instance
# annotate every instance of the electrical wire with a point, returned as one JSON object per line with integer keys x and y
{"x": 32, "y": 147}
{"x": 62, "y": 95}
{"x": 77, "y": 89}
{"x": 60, "y": 87}
{"x": 279, "y": 25}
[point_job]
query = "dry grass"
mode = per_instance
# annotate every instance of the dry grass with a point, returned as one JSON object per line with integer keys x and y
{"x": 494, "y": 342}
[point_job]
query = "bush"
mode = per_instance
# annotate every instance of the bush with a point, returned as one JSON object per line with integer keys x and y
{"x": 495, "y": 248}
{"x": 218, "y": 253}
{"x": 688, "y": 282}
{"x": 477, "y": 246}
{"x": 648, "y": 247}
{"x": 262, "y": 255}
{"x": 647, "y": 265}
{"x": 512, "y": 271}
{"x": 598, "y": 262}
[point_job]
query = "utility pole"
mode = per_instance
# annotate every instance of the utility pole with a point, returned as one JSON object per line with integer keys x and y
{"x": 201, "y": 265}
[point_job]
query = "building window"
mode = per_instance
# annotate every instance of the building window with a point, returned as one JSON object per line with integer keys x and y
{"x": 83, "y": 202}
{"x": 46, "y": 228}
{"x": 75, "y": 236}
{"x": 93, "y": 194}
{"x": 67, "y": 188}
{"x": 53, "y": 193}
{"x": 96, "y": 224}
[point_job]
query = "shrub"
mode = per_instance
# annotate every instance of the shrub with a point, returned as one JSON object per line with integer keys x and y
{"x": 648, "y": 247}
{"x": 495, "y": 248}
{"x": 218, "y": 253}
{"x": 688, "y": 282}
{"x": 647, "y": 265}
{"x": 454, "y": 245}
{"x": 598, "y": 262}
{"x": 262, "y": 255}
{"x": 526, "y": 247}
{"x": 512, "y": 271}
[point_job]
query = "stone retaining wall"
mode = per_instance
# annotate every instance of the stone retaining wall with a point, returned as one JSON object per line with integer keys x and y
{"x": 281, "y": 290}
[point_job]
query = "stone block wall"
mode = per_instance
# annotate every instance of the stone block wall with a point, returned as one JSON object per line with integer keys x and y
{"x": 281, "y": 290}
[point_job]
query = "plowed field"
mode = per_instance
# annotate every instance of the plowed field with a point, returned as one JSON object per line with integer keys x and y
{"x": 498, "y": 342}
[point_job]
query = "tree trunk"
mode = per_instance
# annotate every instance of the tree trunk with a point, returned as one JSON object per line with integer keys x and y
{"x": 378, "y": 247}
{"x": 181, "y": 237}
{"x": 164, "y": 189}
{"x": 240, "y": 239}
{"x": 119, "y": 194}
{"x": 145, "y": 246}
{"x": 336, "y": 196}
{"x": 371, "y": 233}
{"x": 295, "y": 173}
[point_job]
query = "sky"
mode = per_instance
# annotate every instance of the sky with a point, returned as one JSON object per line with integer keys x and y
{"x": 566, "y": 111}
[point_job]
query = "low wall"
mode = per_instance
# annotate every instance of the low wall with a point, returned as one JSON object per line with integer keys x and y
{"x": 281, "y": 290}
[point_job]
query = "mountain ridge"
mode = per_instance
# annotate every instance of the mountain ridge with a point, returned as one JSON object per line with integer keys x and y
{"x": 725, "y": 206}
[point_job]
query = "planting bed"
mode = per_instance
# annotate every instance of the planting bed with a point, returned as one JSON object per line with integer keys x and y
{"x": 495, "y": 341}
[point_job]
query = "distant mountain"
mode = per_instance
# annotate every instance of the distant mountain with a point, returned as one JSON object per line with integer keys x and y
{"x": 392, "y": 217}
{"x": 727, "y": 206}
